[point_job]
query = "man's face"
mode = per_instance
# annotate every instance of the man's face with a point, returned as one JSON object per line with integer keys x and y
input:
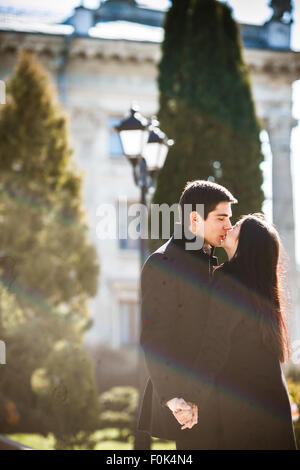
{"x": 216, "y": 225}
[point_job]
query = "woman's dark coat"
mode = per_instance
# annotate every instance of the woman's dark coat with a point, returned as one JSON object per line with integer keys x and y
{"x": 244, "y": 375}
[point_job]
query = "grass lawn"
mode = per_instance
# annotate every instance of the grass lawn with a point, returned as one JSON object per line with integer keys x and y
{"x": 36, "y": 441}
{"x": 106, "y": 440}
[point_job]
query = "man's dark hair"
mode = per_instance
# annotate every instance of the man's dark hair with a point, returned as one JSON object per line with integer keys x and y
{"x": 203, "y": 192}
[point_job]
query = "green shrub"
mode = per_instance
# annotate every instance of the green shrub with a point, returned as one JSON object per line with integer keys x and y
{"x": 67, "y": 396}
{"x": 294, "y": 391}
{"x": 118, "y": 406}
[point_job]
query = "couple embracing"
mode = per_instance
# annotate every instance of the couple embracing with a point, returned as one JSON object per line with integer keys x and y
{"x": 214, "y": 337}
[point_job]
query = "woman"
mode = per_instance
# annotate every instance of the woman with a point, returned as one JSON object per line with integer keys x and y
{"x": 245, "y": 342}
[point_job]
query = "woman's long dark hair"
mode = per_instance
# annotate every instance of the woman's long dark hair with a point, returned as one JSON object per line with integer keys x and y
{"x": 257, "y": 264}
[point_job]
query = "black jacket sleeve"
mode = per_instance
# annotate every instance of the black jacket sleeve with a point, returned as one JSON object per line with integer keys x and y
{"x": 157, "y": 320}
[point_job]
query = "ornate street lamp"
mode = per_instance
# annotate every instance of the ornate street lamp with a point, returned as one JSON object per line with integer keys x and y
{"x": 134, "y": 133}
{"x": 146, "y": 147}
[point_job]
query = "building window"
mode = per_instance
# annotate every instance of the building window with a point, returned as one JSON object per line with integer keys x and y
{"x": 126, "y": 242}
{"x": 129, "y": 323}
{"x": 115, "y": 145}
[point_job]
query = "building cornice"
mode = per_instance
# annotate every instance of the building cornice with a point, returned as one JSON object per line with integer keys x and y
{"x": 81, "y": 47}
{"x": 273, "y": 62}
{"x": 267, "y": 61}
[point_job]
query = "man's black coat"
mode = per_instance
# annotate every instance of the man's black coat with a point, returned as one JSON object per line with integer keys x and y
{"x": 175, "y": 285}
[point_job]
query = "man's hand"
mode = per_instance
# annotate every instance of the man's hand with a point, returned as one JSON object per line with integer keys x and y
{"x": 185, "y": 413}
{"x": 188, "y": 421}
{"x": 177, "y": 404}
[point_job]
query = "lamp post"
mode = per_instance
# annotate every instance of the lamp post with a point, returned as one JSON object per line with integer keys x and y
{"x": 146, "y": 147}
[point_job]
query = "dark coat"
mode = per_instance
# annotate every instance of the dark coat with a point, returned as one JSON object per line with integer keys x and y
{"x": 175, "y": 304}
{"x": 206, "y": 347}
{"x": 244, "y": 375}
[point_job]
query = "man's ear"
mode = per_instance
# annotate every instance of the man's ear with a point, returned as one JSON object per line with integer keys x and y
{"x": 193, "y": 220}
{"x": 193, "y": 217}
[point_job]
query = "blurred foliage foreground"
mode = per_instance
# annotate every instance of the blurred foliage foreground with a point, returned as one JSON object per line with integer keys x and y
{"x": 115, "y": 430}
{"x": 48, "y": 267}
{"x": 115, "y": 427}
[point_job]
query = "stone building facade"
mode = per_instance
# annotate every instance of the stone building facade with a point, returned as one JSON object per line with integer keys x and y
{"x": 103, "y": 60}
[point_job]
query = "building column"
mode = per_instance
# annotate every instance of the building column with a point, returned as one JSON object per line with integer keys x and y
{"x": 279, "y": 128}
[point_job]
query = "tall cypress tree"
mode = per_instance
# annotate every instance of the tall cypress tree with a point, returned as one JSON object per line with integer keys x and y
{"x": 206, "y": 106}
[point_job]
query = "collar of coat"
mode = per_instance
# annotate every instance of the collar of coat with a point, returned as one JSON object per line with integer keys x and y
{"x": 189, "y": 237}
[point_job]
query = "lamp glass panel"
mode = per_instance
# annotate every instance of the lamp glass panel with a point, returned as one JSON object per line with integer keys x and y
{"x": 133, "y": 141}
{"x": 151, "y": 155}
{"x": 163, "y": 155}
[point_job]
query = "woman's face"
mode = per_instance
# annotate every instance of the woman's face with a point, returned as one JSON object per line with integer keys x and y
{"x": 232, "y": 239}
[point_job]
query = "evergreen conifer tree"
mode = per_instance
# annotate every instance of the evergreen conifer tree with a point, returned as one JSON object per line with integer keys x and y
{"x": 43, "y": 229}
{"x": 206, "y": 106}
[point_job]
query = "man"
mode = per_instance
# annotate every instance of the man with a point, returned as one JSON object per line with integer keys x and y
{"x": 175, "y": 301}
